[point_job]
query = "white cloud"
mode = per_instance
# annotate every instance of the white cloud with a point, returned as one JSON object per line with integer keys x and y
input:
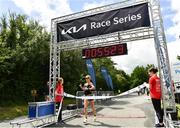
{"x": 44, "y": 10}
{"x": 175, "y": 29}
{"x": 94, "y": 4}
{"x": 173, "y": 50}
{"x": 143, "y": 53}
{"x": 98, "y": 4}
{"x": 139, "y": 53}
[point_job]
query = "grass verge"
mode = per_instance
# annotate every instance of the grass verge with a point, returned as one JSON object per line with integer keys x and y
{"x": 9, "y": 112}
{"x": 69, "y": 101}
{"x": 178, "y": 106}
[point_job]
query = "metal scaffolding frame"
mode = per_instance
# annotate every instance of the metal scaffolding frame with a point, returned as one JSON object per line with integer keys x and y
{"x": 156, "y": 31}
{"x": 163, "y": 62}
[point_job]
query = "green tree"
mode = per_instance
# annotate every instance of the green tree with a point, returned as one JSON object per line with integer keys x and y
{"x": 149, "y": 66}
{"x": 119, "y": 77}
{"x": 24, "y": 63}
{"x": 139, "y": 76}
{"x": 108, "y": 63}
{"x": 123, "y": 79}
{"x": 178, "y": 57}
{"x": 72, "y": 66}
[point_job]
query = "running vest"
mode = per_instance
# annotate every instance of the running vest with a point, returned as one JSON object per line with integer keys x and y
{"x": 87, "y": 90}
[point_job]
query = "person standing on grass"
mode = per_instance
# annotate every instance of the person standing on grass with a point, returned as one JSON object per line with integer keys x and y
{"x": 155, "y": 94}
{"x": 59, "y": 93}
{"x": 88, "y": 87}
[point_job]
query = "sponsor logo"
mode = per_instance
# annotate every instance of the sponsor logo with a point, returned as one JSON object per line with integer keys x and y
{"x": 74, "y": 29}
{"x": 107, "y": 23}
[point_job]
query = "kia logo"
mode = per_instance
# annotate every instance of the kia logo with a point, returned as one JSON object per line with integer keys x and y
{"x": 74, "y": 29}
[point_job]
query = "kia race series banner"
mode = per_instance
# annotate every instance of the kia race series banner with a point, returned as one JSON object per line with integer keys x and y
{"x": 104, "y": 23}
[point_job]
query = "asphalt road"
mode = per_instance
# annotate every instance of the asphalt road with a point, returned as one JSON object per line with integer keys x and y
{"x": 130, "y": 111}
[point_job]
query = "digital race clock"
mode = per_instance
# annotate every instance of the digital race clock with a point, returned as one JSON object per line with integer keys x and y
{"x": 113, "y": 50}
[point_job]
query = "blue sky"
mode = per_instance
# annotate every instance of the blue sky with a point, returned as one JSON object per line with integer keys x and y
{"x": 79, "y": 5}
{"x": 44, "y": 10}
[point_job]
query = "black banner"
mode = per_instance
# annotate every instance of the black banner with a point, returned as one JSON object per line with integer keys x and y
{"x": 104, "y": 23}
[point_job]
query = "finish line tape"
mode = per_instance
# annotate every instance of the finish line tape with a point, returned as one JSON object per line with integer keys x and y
{"x": 136, "y": 89}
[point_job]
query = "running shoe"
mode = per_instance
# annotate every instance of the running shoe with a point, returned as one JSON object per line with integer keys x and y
{"x": 159, "y": 125}
{"x": 85, "y": 120}
{"x": 94, "y": 118}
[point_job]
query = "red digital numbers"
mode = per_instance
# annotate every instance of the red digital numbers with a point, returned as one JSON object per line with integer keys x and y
{"x": 106, "y": 51}
{"x": 87, "y": 53}
{"x": 113, "y": 50}
{"x": 119, "y": 49}
{"x": 100, "y": 52}
{"x": 93, "y": 53}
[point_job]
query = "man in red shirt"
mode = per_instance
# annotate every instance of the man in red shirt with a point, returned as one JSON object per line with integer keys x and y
{"x": 59, "y": 92}
{"x": 155, "y": 94}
